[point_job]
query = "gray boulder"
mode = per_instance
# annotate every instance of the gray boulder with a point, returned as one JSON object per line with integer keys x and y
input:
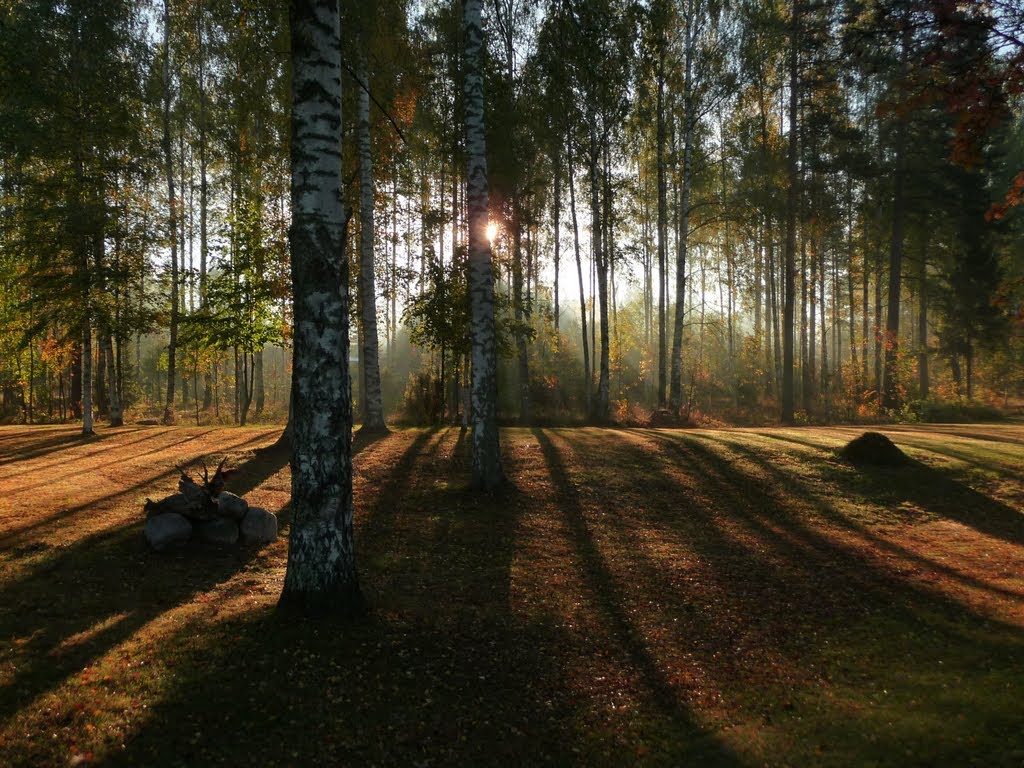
{"x": 230, "y": 505}
{"x": 167, "y": 530}
{"x": 219, "y": 530}
{"x": 259, "y": 526}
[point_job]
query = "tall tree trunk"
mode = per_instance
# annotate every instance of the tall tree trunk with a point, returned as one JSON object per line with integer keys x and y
{"x": 373, "y": 406}
{"x": 100, "y": 377}
{"x": 805, "y": 367}
{"x": 87, "y": 425}
{"x": 204, "y": 196}
{"x": 111, "y": 395}
{"x": 486, "y": 455}
{"x": 258, "y": 384}
{"x": 321, "y": 571}
{"x": 682, "y": 240}
{"x": 662, "y": 230}
{"x": 969, "y": 364}
{"x": 587, "y": 381}
{"x": 172, "y": 219}
{"x": 824, "y": 322}
{"x": 922, "y": 324}
{"x": 556, "y": 216}
{"x": 522, "y": 352}
{"x": 865, "y": 339}
{"x": 601, "y": 410}
{"x": 879, "y": 336}
{"x": 890, "y": 388}
{"x": 792, "y": 195}
{"x": 849, "y": 278}
{"x": 774, "y": 361}
{"x": 75, "y": 385}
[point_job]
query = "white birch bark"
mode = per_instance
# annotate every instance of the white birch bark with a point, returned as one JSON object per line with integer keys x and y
{"x": 486, "y": 456}
{"x": 321, "y": 573}
{"x": 373, "y": 408}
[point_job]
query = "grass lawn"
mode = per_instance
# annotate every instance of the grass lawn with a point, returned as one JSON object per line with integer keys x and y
{"x": 636, "y": 597}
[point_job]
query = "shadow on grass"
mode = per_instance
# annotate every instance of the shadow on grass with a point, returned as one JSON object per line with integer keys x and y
{"x": 11, "y": 536}
{"x": 39, "y": 448}
{"x": 82, "y": 600}
{"x": 835, "y": 651}
{"x": 697, "y": 743}
{"x": 93, "y": 468}
{"x": 931, "y": 489}
{"x": 440, "y": 672}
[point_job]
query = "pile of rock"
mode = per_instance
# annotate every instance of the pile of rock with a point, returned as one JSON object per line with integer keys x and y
{"x": 208, "y": 512}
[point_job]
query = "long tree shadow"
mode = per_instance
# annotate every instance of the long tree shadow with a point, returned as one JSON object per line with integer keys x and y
{"x": 971, "y": 432}
{"x": 933, "y": 489}
{"x": 828, "y": 511}
{"x": 36, "y": 450}
{"x": 109, "y": 586}
{"x": 698, "y": 743}
{"x": 441, "y": 672}
{"x": 14, "y": 534}
{"x": 776, "y": 593}
{"x": 92, "y": 468}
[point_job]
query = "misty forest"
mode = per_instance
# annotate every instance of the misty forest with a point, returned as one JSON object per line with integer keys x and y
{"x": 531, "y": 382}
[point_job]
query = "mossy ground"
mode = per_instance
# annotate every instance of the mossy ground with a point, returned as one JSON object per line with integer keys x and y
{"x": 635, "y": 597}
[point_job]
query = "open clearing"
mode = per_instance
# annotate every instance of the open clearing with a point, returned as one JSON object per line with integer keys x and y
{"x": 656, "y": 597}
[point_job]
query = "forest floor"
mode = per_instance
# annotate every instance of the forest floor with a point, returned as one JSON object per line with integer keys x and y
{"x": 635, "y": 597}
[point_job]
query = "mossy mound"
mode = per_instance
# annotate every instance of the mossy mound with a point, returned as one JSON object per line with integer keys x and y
{"x": 875, "y": 449}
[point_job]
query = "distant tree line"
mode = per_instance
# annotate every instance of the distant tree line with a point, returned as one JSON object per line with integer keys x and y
{"x": 757, "y": 210}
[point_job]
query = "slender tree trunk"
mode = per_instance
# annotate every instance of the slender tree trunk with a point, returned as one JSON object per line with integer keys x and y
{"x": 824, "y": 322}
{"x": 682, "y": 240}
{"x": 805, "y": 368}
{"x": 556, "y": 217}
{"x": 113, "y": 394}
{"x": 522, "y": 352}
{"x": 774, "y": 362}
{"x": 75, "y": 385}
{"x": 259, "y": 385}
{"x": 373, "y": 406}
{"x": 969, "y": 365}
{"x": 172, "y": 219}
{"x": 662, "y": 230}
{"x": 792, "y": 196}
{"x": 922, "y": 324}
{"x": 321, "y": 571}
{"x": 601, "y": 410}
{"x": 204, "y": 198}
{"x": 486, "y": 456}
{"x": 87, "y": 408}
{"x": 879, "y": 336}
{"x": 849, "y": 277}
{"x": 865, "y": 339}
{"x": 587, "y": 381}
{"x": 100, "y": 376}
{"x": 890, "y": 389}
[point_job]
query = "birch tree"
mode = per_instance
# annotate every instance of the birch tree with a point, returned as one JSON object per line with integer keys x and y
{"x": 321, "y": 572}
{"x": 486, "y": 455}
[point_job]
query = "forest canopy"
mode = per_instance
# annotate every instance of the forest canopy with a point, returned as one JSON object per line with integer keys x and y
{"x": 748, "y": 212}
